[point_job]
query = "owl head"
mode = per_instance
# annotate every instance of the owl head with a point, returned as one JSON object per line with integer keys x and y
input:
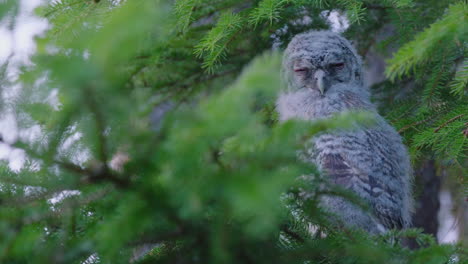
{"x": 322, "y": 62}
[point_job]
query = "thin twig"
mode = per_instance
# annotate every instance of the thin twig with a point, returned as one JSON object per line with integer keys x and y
{"x": 100, "y": 125}
{"x": 292, "y": 234}
{"x": 448, "y": 122}
{"x": 98, "y": 174}
{"x": 159, "y": 238}
{"x": 414, "y": 124}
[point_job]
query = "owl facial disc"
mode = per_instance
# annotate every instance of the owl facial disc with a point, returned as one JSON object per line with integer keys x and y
{"x": 322, "y": 63}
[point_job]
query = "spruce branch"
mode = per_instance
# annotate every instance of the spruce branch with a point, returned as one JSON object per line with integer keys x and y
{"x": 417, "y": 52}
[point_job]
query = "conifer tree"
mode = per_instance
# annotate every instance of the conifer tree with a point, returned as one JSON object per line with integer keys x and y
{"x": 216, "y": 178}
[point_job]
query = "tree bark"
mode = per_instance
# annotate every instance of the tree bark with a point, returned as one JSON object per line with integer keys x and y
{"x": 427, "y": 186}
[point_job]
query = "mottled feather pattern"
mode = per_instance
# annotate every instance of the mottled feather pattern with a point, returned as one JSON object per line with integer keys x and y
{"x": 370, "y": 161}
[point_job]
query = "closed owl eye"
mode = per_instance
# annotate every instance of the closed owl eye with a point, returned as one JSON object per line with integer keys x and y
{"x": 300, "y": 70}
{"x": 337, "y": 66}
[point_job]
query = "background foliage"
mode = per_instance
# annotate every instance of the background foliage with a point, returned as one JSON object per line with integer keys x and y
{"x": 215, "y": 181}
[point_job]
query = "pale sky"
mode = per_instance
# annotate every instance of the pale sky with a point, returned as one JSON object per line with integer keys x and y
{"x": 18, "y": 44}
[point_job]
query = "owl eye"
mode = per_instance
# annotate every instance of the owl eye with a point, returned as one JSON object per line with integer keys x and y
{"x": 300, "y": 70}
{"x": 337, "y": 66}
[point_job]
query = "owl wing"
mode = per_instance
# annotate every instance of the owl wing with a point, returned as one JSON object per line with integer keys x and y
{"x": 341, "y": 172}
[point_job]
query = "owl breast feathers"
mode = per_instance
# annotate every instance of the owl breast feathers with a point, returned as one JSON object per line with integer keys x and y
{"x": 324, "y": 76}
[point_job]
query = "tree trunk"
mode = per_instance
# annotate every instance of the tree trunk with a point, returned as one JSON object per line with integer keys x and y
{"x": 427, "y": 186}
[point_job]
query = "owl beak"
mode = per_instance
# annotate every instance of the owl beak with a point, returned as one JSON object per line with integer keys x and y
{"x": 318, "y": 77}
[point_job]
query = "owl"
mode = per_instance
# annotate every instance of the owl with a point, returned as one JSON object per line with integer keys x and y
{"x": 324, "y": 77}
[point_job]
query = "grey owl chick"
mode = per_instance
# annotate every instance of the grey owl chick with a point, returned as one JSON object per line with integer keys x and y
{"x": 324, "y": 76}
